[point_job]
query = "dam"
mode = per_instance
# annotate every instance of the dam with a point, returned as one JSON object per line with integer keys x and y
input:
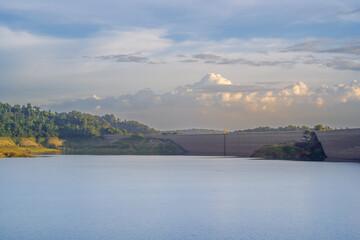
{"x": 337, "y": 144}
{"x": 239, "y": 144}
{"x": 341, "y": 144}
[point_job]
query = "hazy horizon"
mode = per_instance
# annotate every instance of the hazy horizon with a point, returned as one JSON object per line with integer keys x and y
{"x": 186, "y": 64}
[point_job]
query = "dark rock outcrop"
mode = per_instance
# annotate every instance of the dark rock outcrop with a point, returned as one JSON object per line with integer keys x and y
{"x": 308, "y": 148}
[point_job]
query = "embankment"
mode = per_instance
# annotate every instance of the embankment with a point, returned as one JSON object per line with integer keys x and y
{"x": 337, "y": 144}
{"x": 120, "y": 145}
{"x": 25, "y": 147}
{"x": 241, "y": 144}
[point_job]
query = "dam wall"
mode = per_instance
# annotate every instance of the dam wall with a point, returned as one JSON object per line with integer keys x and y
{"x": 337, "y": 144}
{"x": 240, "y": 144}
{"x": 340, "y": 144}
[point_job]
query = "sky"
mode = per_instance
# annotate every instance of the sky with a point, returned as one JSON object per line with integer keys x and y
{"x": 186, "y": 64}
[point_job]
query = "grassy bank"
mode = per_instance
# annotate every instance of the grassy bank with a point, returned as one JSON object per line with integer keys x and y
{"x": 24, "y": 147}
{"x": 135, "y": 145}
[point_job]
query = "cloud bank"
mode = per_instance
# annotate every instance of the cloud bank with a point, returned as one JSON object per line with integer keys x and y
{"x": 116, "y": 62}
{"x": 214, "y": 98}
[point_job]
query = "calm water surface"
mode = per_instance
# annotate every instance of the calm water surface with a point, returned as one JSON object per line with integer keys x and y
{"x": 177, "y": 197}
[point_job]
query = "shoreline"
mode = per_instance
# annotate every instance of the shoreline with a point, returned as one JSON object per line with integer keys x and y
{"x": 330, "y": 160}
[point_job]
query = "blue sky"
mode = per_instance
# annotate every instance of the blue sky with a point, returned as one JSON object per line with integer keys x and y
{"x": 56, "y": 51}
{"x": 186, "y": 19}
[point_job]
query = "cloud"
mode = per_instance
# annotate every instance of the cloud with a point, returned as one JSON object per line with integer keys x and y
{"x": 298, "y": 88}
{"x": 218, "y": 105}
{"x": 124, "y": 58}
{"x": 142, "y": 40}
{"x": 309, "y": 46}
{"x": 129, "y": 58}
{"x": 351, "y": 16}
{"x": 96, "y": 97}
{"x": 49, "y": 68}
{"x": 355, "y": 11}
{"x": 212, "y": 79}
{"x": 257, "y": 63}
{"x": 42, "y": 44}
{"x": 114, "y": 62}
{"x": 189, "y": 61}
{"x": 105, "y": 44}
{"x": 347, "y": 49}
{"x": 330, "y": 53}
{"x": 268, "y": 102}
{"x": 340, "y": 92}
{"x": 215, "y": 59}
{"x": 153, "y": 47}
{"x": 343, "y": 64}
{"x": 14, "y": 40}
{"x": 207, "y": 57}
{"x": 215, "y": 83}
{"x": 271, "y": 83}
{"x": 338, "y": 63}
{"x": 326, "y": 46}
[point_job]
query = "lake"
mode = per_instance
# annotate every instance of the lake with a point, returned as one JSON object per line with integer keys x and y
{"x": 177, "y": 197}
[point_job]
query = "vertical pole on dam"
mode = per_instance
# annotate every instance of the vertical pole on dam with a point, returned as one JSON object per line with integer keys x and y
{"x": 224, "y": 143}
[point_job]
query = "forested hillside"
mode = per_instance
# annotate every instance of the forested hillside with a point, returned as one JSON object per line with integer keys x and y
{"x": 29, "y": 121}
{"x": 132, "y": 127}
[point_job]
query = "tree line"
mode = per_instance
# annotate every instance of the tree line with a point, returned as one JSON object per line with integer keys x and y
{"x": 30, "y": 121}
{"x": 289, "y": 128}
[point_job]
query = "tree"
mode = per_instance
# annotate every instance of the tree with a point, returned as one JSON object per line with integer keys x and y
{"x": 319, "y": 127}
{"x": 29, "y": 121}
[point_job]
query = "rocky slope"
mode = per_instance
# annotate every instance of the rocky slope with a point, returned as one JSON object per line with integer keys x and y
{"x": 308, "y": 148}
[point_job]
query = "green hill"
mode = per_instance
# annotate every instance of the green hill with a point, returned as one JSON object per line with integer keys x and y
{"x": 26, "y": 131}
{"x": 132, "y": 145}
{"x": 29, "y": 121}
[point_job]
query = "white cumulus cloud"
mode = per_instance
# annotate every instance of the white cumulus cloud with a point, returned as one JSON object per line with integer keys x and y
{"x": 298, "y": 88}
{"x": 297, "y": 102}
{"x": 211, "y": 79}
